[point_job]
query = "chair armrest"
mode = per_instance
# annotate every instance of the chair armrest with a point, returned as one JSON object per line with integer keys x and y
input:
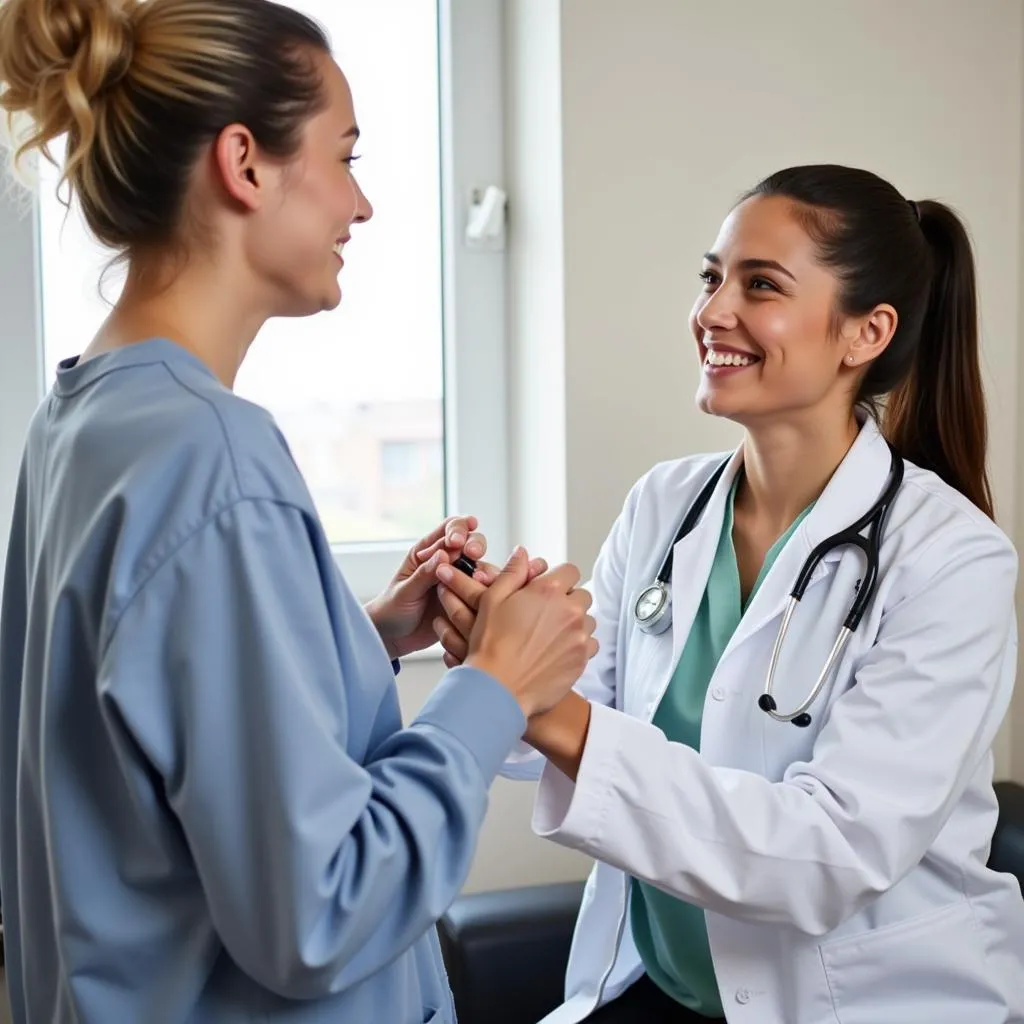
{"x": 1008, "y": 841}
{"x": 506, "y": 952}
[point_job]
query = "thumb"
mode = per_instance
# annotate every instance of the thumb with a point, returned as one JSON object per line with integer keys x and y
{"x": 512, "y": 577}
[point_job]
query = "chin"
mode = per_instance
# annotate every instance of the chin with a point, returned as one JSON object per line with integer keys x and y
{"x": 330, "y": 298}
{"x": 714, "y": 403}
{"x": 724, "y": 406}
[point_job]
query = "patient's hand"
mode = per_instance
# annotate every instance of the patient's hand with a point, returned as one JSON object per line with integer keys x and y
{"x": 460, "y": 595}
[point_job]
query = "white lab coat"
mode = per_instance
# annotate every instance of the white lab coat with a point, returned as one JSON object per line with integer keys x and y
{"x": 842, "y": 867}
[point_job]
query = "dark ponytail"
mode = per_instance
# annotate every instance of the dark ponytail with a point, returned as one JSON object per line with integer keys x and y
{"x": 936, "y": 417}
{"x": 916, "y": 257}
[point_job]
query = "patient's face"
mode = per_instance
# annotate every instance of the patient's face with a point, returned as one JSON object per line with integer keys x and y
{"x": 764, "y": 321}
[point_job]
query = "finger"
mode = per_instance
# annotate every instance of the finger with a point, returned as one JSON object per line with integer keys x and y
{"x": 583, "y": 598}
{"x": 537, "y": 567}
{"x": 450, "y": 639}
{"x": 460, "y": 615}
{"x": 592, "y": 647}
{"x": 458, "y": 530}
{"x": 486, "y": 573}
{"x": 563, "y": 577}
{"x": 589, "y": 624}
{"x": 437, "y": 538}
{"x": 432, "y": 549}
{"x": 476, "y": 545}
{"x": 450, "y": 661}
{"x": 511, "y": 578}
{"x": 429, "y": 543}
{"x": 424, "y": 578}
{"x": 467, "y": 589}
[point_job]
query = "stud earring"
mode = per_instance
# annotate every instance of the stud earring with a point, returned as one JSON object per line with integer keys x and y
{"x": 849, "y": 359}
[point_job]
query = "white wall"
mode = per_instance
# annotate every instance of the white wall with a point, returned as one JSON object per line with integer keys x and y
{"x": 663, "y": 112}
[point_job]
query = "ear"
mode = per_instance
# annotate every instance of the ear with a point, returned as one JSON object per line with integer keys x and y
{"x": 864, "y": 338}
{"x": 238, "y": 167}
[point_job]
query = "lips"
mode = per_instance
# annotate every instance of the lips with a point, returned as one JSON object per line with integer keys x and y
{"x": 339, "y": 245}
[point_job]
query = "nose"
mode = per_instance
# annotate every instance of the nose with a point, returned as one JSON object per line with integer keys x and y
{"x": 364, "y": 209}
{"x": 718, "y": 310}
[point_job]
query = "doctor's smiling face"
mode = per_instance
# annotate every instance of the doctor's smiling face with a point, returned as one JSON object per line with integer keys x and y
{"x": 769, "y": 340}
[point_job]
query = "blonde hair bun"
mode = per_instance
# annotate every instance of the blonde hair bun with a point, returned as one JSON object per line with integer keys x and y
{"x": 56, "y": 58}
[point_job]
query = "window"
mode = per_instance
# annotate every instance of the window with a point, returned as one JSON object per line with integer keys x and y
{"x": 393, "y": 404}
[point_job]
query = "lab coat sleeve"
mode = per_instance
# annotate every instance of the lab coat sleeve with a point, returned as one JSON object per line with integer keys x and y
{"x": 896, "y": 753}
{"x": 597, "y": 683}
{"x": 226, "y": 673}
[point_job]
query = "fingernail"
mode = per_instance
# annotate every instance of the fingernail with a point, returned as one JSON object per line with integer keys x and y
{"x": 457, "y": 538}
{"x": 474, "y": 549}
{"x": 445, "y": 572}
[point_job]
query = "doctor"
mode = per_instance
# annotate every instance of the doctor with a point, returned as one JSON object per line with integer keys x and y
{"x": 749, "y": 868}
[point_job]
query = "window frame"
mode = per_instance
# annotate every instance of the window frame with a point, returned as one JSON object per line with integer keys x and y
{"x": 475, "y": 402}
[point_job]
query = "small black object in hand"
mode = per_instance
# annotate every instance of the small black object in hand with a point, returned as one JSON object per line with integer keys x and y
{"x": 465, "y": 564}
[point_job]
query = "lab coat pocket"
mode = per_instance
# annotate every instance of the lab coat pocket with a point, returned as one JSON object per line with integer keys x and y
{"x": 927, "y": 970}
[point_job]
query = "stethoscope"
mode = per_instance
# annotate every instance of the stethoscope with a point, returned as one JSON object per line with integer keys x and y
{"x": 653, "y": 607}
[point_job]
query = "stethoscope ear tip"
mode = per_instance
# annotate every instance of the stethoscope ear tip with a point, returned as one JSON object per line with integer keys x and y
{"x": 766, "y": 702}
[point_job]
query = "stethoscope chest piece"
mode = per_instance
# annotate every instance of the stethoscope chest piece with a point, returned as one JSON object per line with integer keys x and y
{"x": 653, "y": 608}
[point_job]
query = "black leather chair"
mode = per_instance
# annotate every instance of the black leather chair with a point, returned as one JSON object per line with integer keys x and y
{"x": 506, "y": 951}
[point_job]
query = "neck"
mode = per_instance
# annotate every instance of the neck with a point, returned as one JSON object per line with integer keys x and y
{"x": 201, "y": 306}
{"x": 787, "y": 466}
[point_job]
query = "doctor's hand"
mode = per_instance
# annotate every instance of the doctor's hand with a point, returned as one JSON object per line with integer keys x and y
{"x": 405, "y": 613}
{"x": 534, "y": 636}
{"x": 459, "y": 597}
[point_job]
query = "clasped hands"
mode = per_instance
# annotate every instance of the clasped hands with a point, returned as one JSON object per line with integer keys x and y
{"x": 525, "y": 624}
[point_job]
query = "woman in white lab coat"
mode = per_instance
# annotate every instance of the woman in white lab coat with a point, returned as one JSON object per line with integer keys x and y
{"x": 748, "y": 868}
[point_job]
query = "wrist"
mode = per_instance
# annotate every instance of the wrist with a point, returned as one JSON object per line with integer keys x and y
{"x": 492, "y": 667}
{"x": 375, "y": 614}
{"x": 561, "y": 733}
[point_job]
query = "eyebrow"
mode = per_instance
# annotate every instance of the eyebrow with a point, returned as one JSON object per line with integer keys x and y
{"x": 752, "y": 264}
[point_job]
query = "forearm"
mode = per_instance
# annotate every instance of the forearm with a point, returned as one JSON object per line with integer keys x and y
{"x": 561, "y": 733}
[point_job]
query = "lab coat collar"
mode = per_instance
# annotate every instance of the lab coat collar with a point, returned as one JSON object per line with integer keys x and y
{"x": 854, "y": 487}
{"x": 695, "y": 553}
{"x": 852, "y": 490}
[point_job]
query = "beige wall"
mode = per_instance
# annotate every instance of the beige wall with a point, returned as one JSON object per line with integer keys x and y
{"x": 661, "y": 113}
{"x": 672, "y": 107}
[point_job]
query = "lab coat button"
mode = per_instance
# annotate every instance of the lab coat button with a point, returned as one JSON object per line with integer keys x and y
{"x": 718, "y": 693}
{"x": 743, "y": 996}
